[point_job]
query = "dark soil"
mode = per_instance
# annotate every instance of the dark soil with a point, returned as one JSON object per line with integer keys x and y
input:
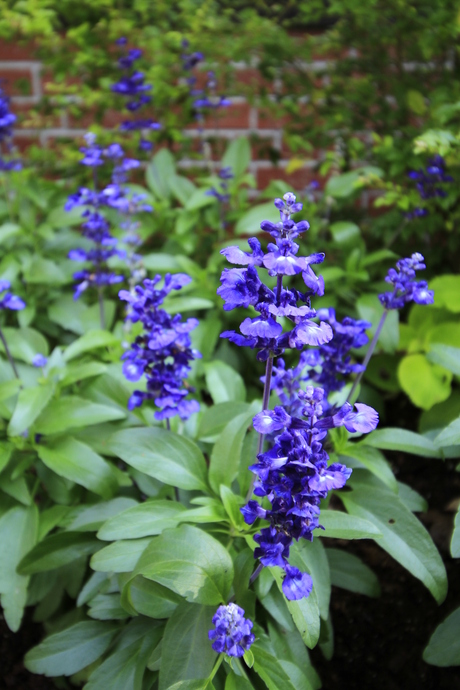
{"x": 378, "y": 642}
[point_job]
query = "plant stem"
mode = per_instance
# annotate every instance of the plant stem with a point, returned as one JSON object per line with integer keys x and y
{"x": 368, "y": 354}
{"x": 265, "y": 401}
{"x": 100, "y": 298}
{"x": 8, "y": 354}
{"x": 256, "y": 573}
{"x": 216, "y": 668}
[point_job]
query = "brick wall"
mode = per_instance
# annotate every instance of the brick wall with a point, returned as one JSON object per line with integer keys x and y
{"x": 23, "y": 80}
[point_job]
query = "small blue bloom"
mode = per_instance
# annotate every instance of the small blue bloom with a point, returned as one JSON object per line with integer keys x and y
{"x": 405, "y": 288}
{"x": 296, "y": 585}
{"x": 232, "y": 634}
{"x": 39, "y": 360}
{"x": 8, "y": 300}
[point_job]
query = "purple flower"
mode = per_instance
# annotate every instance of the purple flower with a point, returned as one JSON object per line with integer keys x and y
{"x": 8, "y": 300}
{"x": 39, "y": 360}
{"x": 232, "y": 634}
{"x": 296, "y": 585}
{"x": 405, "y": 288}
{"x": 163, "y": 352}
{"x": 7, "y": 120}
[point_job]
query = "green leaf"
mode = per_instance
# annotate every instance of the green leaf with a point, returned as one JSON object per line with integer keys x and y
{"x": 60, "y": 218}
{"x": 401, "y": 439}
{"x": 57, "y": 550}
{"x": 70, "y": 650}
{"x": 149, "y": 598}
{"x": 249, "y": 223}
{"x": 119, "y": 557}
{"x": 182, "y": 188}
{"x": 226, "y": 453}
{"x": 78, "y": 462}
{"x": 455, "y": 542}
{"x": 373, "y": 460}
{"x": 31, "y": 401}
{"x": 271, "y": 670}
{"x": 77, "y": 317}
{"x": 163, "y": 455}
{"x": 91, "y": 518}
{"x": 416, "y": 102}
{"x": 237, "y": 156}
{"x": 304, "y": 612}
{"x": 46, "y": 272}
{"x": 450, "y": 436}
{"x": 215, "y": 419}
{"x": 349, "y": 572}
{"x": 70, "y": 412}
{"x": 446, "y": 356}
{"x": 424, "y": 383}
{"x": 232, "y": 504}
{"x": 443, "y": 649}
{"x": 447, "y": 290}
{"x": 178, "y": 305}
{"x": 412, "y": 499}
{"x": 79, "y": 372}
{"x": 124, "y": 668}
{"x": 106, "y": 607}
{"x": 9, "y": 388}
{"x": 370, "y": 309}
{"x": 160, "y": 174}
{"x": 146, "y": 519}
{"x": 191, "y": 563}
{"x": 186, "y": 651}
{"x": 24, "y": 343}
{"x": 345, "y": 232}
{"x": 404, "y": 537}
{"x": 199, "y": 199}
{"x": 340, "y": 525}
{"x": 90, "y": 341}
{"x": 18, "y": 534}
{"x": 161, "y": 263}
{"x": 224, "y": 383}
{"x": 311, "y": 557}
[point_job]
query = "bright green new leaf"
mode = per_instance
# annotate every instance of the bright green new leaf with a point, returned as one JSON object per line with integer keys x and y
{"x": 426, "y": 384}
{"x": 370, "y": 309}
{"x": 162, "y": 454}
{"x": 92, "y": 340}
{"x": 446, "y": 356}
{"x": 24, "y": 343}
{"x": 186, "y": 651}
{"x": 443, "y": 649}
{"x": 215, "y": 419}
{"x": 404, "y": 536}
{"x": 447, "y": 290}
{"x": 191, "y": 563}
{"x": 70, "y": 650}
{"x": 237, "y": 156}
{"x": 249, "y": 223}
{"x": 76, "y": 461}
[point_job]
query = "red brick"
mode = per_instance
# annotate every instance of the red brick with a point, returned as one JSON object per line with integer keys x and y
{"x": 268, "y": 118}
{"x": 298, "y": 179}
{"x": 16, "y": 82}
{"x": 17, "y": 51}
{"x": 233, "y": 117}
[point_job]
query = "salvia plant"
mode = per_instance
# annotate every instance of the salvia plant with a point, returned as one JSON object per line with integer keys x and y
{"x": 167, "y": 517}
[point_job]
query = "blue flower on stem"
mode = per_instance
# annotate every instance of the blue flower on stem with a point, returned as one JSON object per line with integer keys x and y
{"x": 7, "y": 120}
{"x": 12, "y": 303}
{"x": 133, "y": 88}
{"x": 429, "y": 183}
{"x": 163, "y": 352}
{"x": 405, "y": 289}
{"x": 232, "y": 634}
{"x": 294, "y": 475}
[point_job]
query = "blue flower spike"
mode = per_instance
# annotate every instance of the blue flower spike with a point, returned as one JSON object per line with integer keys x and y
{"x": 232, "y": 634}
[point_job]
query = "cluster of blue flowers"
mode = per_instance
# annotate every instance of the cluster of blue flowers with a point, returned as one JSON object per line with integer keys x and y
{"x": 294, "y": 475}
{"x": 232, "y": 634}
{"x": 8, "y": 300}
{"x": 163, "y": 352}
{"x": 7, "y": 120}
{"x": 243, "y": 288}
{"x": 132, "y": 86}
{"x": 429, "y": 183}
{"x": 405, "y": 288}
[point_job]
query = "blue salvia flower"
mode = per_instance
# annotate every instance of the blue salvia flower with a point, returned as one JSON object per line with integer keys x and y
{"x": 7, "y": 120}
{"x": 133, "y": 88}
{"x": 405, "y": 288}
{"x": 232, "y": 634}
{"x": 294, "y": 475}
{"x": 8, "y": 300}
{"x": 243, "y": 288}
{"x": 96, "y": 227}
{"x": 163, "y": 352}
{"x": 429, "y": 183}
{"x": 39, "y": 360}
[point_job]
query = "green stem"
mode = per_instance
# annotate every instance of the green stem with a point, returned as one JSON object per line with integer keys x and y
{"x": 8, "y": 354}
{"x": 100, "y": 298}
{"x": 368, "y": 355}
{"x": 265, "y": 401}
{"x": 216, "y": 668}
